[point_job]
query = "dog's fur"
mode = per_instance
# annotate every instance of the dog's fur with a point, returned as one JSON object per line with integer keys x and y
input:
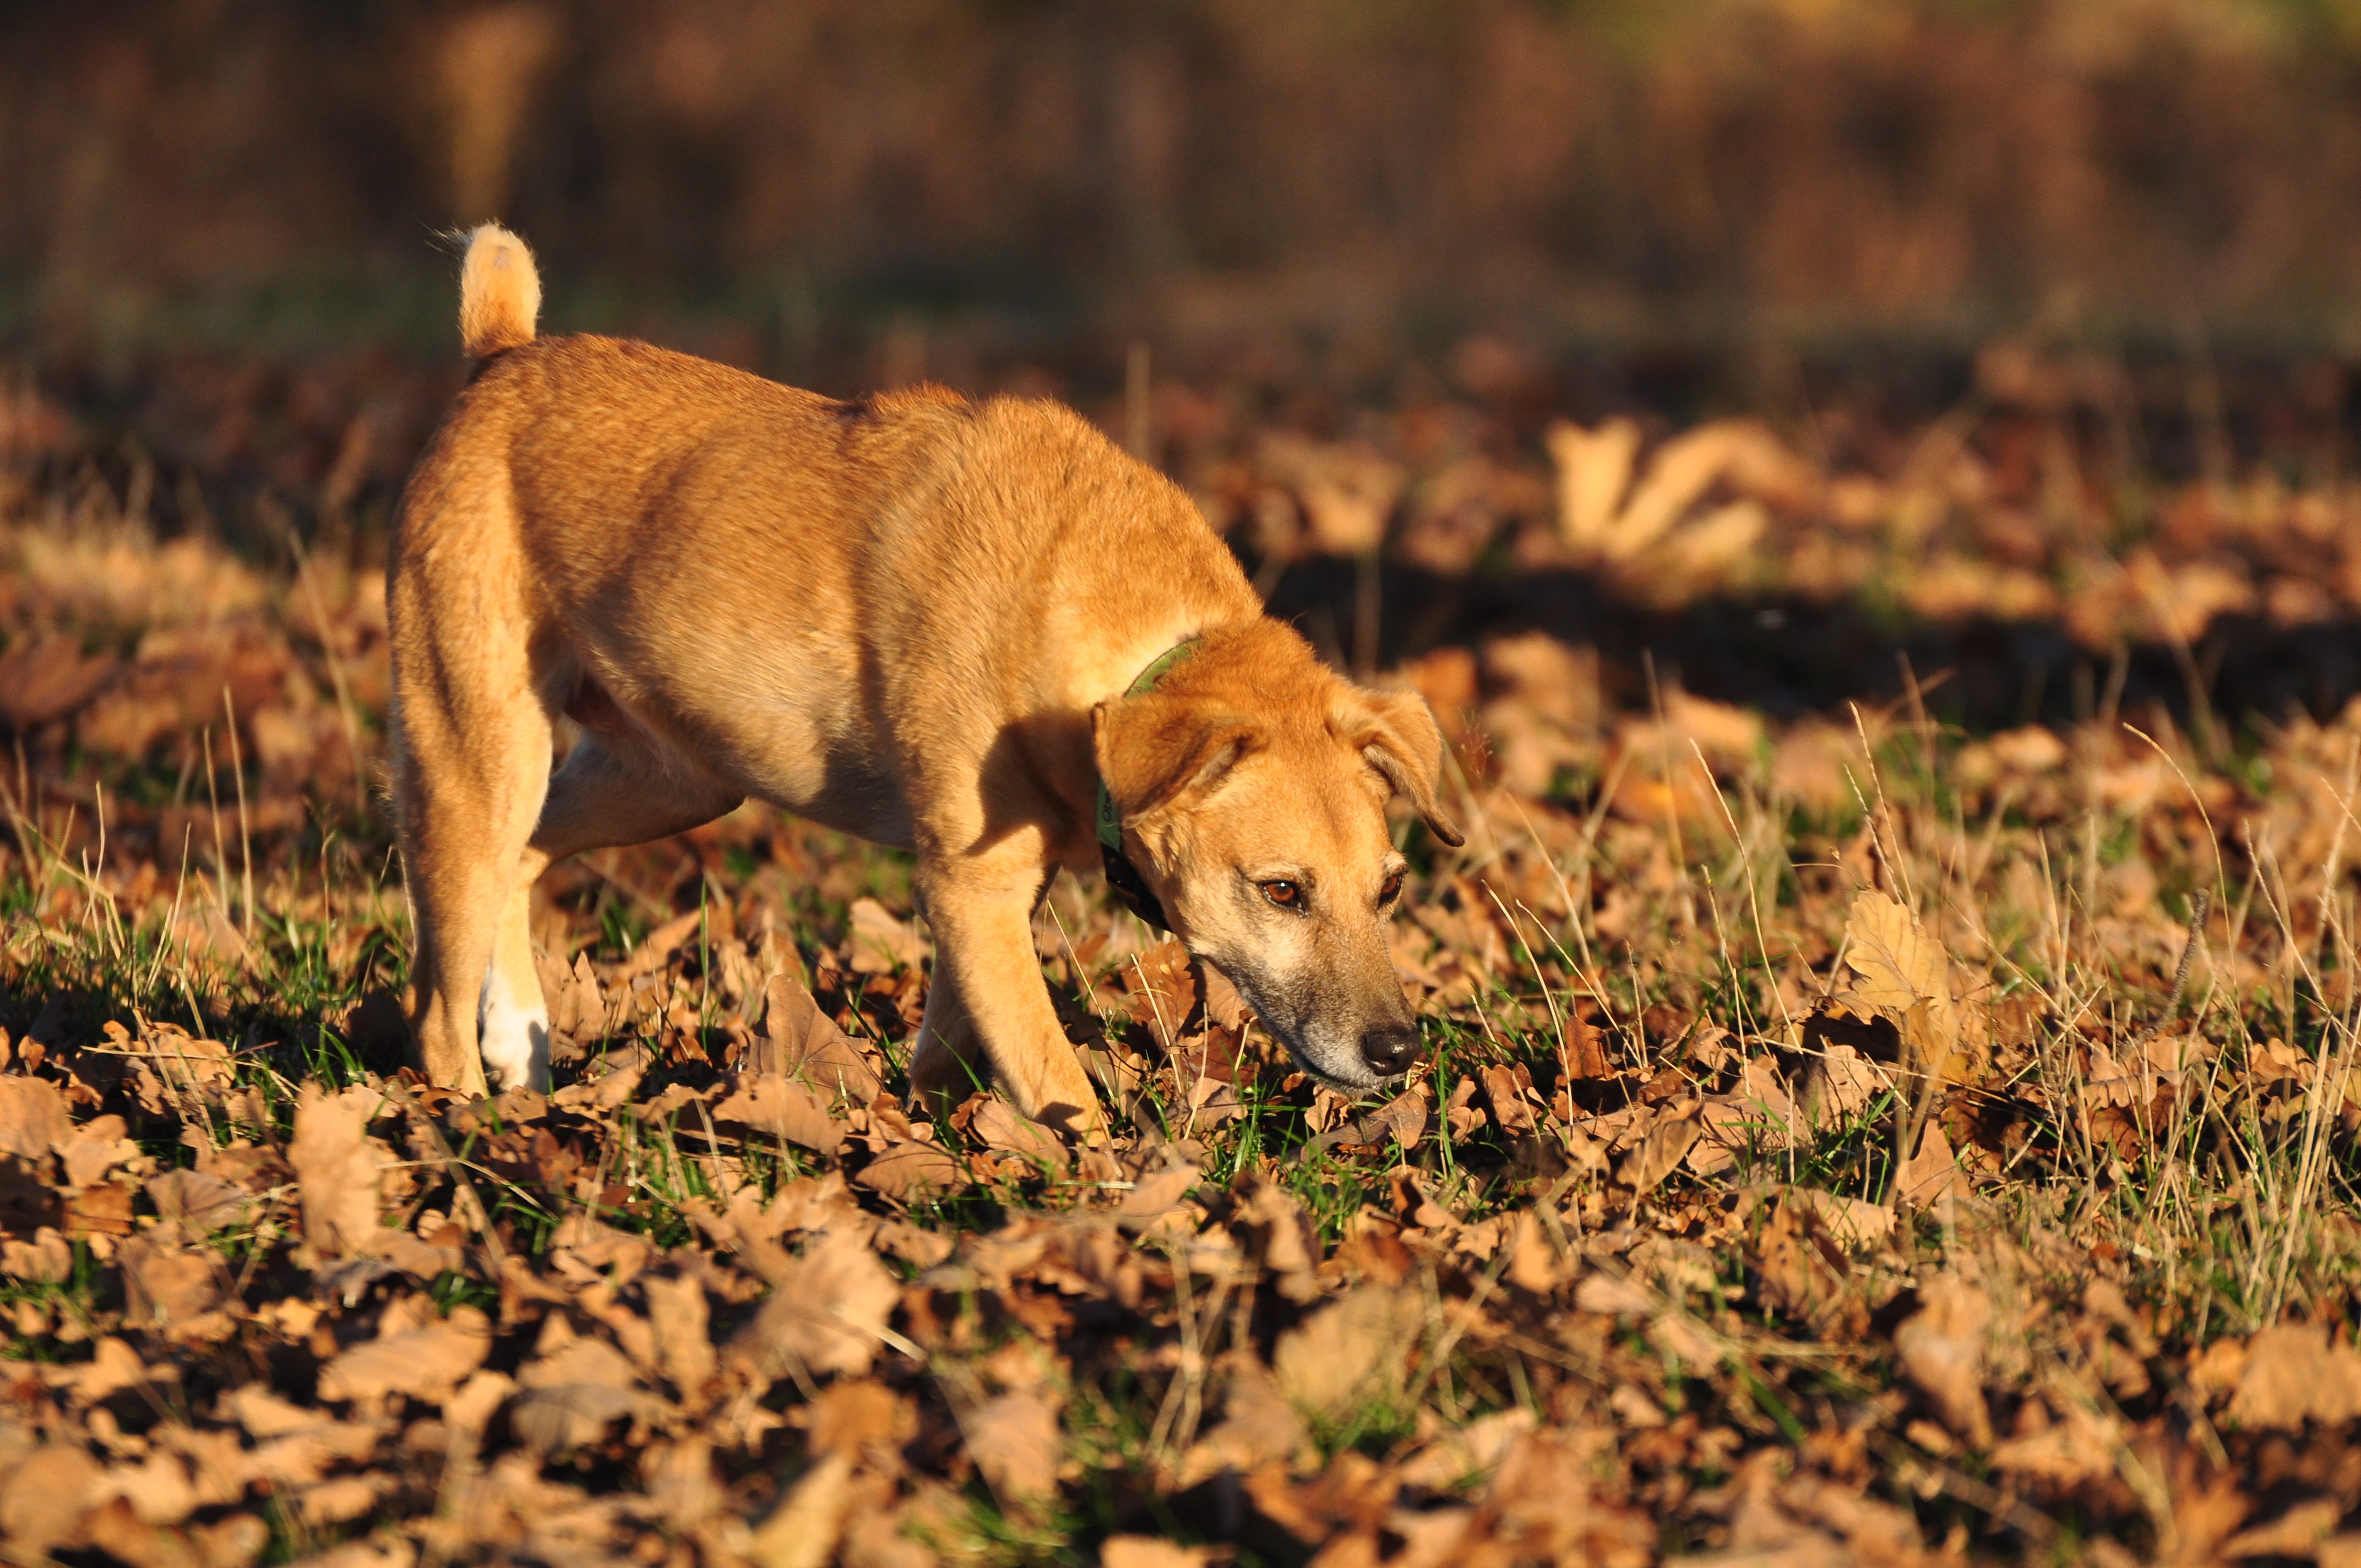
{"x": 911, "y": 617}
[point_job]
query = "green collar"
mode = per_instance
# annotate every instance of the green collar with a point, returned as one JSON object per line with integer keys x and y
{"x": 1122, "y": 876}
{"x": 1110, "y": 820}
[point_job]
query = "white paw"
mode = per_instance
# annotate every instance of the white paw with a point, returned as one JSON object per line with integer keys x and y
{"x": 515, "y": 1040}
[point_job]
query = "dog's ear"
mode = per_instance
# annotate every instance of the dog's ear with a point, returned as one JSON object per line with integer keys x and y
{"x": 1159, "y": 753}
{"x": 1397, "y": 733}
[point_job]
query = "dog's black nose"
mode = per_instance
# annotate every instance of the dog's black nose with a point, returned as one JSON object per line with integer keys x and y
{"x": 1389, "y": 1051}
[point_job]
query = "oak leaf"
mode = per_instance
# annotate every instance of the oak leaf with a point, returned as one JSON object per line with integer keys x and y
{"x": 1905, "y": 973}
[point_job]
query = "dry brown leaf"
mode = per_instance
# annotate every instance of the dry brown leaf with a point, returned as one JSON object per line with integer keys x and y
{"x": 2298, "y": 1532}
{"x": 679, "y": 1313}
{"x": 1014, "y": 1440}
{"x": 1276, "y": 1231}
{"x": 1533, "y": 1263}
{"x": 681, "y": 1481}
{"x": 803, "y": 1042}
{"x": 859, "y": 1416}
{"x": 1657, "y": 1155}
{"x": 1402, "y": 1119}
{"x": 1905, "y": 973}
{"x": 44, "y": 1497}
{"x": 167, "y": 1286}
{"x": 2293, "y": 1374}
{"x": 580, "y": 1361}
{"x": 1942, "y": 1348}
{"x": 2077, "y": 1449}
{"x": 1352, "y": 1351}
{"x": 560, "y": 1418}
{"x": 1454, "y": 1458}
{"x": 1258, "y": 1427}
{"x": 425, "y": 1363}
{"x": 1612, "y": 1297}
{"x": 804, "y": 1530}
{"x": 824, "y": 1314}
{"x": 912, "y": 1169}
{"x": 1153, "y": 1197}
{"x": 336, "y": 1169}
{"x": 203, "y": 1203}
{"x": 46, "y": 1259}
{"x": 1001, "y": 1129}
{"x": 1850, "y": 1222}
{"x": 157, "y": 1488}
{"x": 33, "y": 1118}
{"x": 881, "y": 944}
{"x": 1932, "y": 1176}
{"x": 1506, "y": 1095}
{"x": 113, "y": 1367}
{"x": 343, "y": 1499}
{"x": 779, "y": 1108}
{"x": 1146, "y": 1551}
{"x": 96, "y": 1147}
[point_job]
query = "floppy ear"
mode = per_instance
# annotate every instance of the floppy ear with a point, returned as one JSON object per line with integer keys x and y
{"x": 1397, "y": 732}
{"x": 1159, "y": 753}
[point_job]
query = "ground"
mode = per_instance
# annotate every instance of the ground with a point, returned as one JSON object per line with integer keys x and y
{"x": 1882, "y": 1101}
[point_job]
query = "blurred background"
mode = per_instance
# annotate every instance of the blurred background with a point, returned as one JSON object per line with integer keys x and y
{"x": 2004, "y": 339}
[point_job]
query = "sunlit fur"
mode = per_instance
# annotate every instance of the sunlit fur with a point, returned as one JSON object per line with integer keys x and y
{"x": 910, "y": 617}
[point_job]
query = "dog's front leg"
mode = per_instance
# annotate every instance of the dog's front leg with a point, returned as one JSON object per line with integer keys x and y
{"x": 988, "y": 997}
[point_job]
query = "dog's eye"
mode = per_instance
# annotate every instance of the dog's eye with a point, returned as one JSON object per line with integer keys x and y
{"x": 1391, "y": 891}
{"x": 1286, "y": 895}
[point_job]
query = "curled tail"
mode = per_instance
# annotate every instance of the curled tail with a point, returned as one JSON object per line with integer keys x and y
{"x": 500, "y": 293}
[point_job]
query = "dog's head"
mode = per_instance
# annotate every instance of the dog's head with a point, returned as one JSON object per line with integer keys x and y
{"x": 1252, "y": 784}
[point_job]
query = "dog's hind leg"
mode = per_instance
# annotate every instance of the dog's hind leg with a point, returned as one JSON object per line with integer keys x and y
{"x": 607, "y": 792}
{"x": 471, "y": 756}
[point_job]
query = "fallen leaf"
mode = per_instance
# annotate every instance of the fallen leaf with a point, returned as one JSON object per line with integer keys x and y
{"x": 1015, "y": 1442}
{"x": 997, "y": 1124}
{"x": 165, "y": 1287}
{"x": 1932, "y": 1176}
{"x": 2293, "y": 1375}
{"x": 44, "y": 1497}
{"x": 911, "y": 1170}
{"x": 564, "y": 1416}
{"x": 33, "y": 1118}
{"x": 202, "y": 1203}
{"x": 2295, "y": 1533}
{"x": 425, "y": 1363}
{"x": 804, "y": 1530}
{"x": 779, "y": 1108}
{"x": 1351, "y": 1352}
{"x": 881, "y": 944}
{"x": 1657, "y": 1155}
{"x": 679, "y": 1313}
{"x": 343, "y": 1499}
{"x": 1942, "y": 1346}
{"x": 1907, "y": 973}
{"x": 805, "y": 1042}
{"x": 1258, "y": 1427}
{"x": 335, "y": 1171}
{"x": 824, "y": 1315}
{"x": 1144, "y": 1551}
{"x": 2078, "y": 1449}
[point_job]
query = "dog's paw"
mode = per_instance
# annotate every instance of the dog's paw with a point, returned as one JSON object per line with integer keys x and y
{"x": 515, "y": 1039}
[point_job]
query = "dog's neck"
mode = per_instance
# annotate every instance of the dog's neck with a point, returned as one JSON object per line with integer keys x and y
{"x": 1123, "y": 878}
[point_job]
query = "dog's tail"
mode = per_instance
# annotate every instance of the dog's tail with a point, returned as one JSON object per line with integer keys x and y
{"x": 500, "y": 293}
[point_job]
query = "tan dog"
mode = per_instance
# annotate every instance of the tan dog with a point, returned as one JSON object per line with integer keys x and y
{"x": 911, "y": 617}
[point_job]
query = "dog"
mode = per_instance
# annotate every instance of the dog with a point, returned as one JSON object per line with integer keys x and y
{"x": 976, "y": 631}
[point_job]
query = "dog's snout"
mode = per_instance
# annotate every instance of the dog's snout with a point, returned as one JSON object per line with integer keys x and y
{"x": 1390, "y": 1050}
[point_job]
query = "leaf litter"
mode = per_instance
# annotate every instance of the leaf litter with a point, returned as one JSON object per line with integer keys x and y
{"x": 1840, "y": 1140}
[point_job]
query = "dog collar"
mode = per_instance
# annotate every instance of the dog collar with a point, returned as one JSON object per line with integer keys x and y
{"x": 1122, "y": 877}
